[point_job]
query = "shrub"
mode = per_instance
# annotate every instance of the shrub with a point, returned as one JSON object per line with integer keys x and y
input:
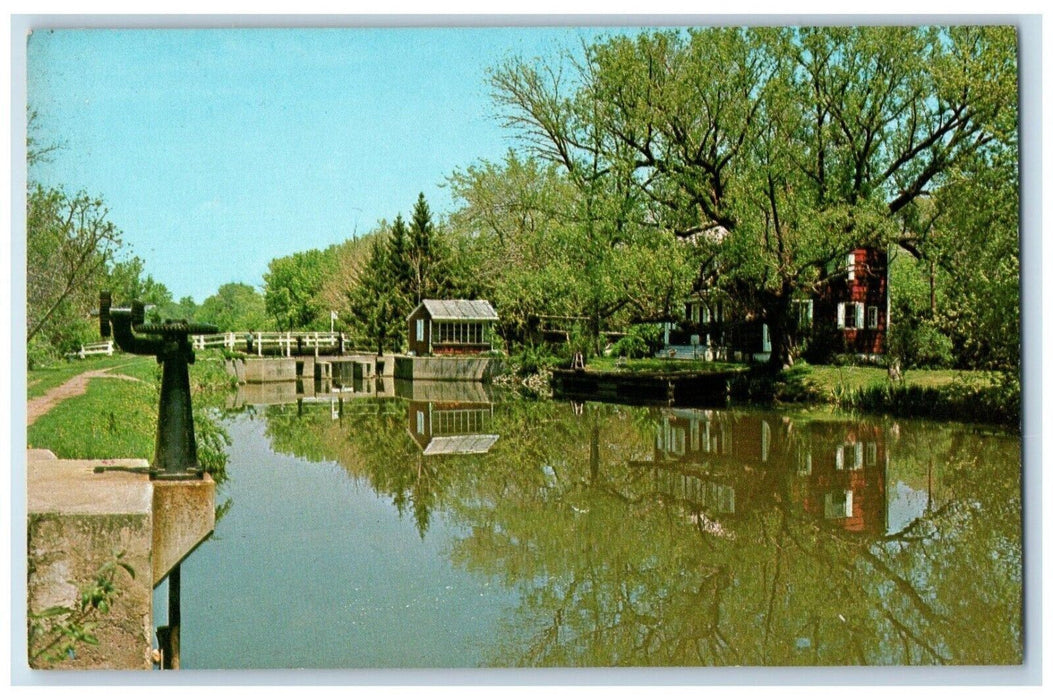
{"x": 642, "y": 340}
{"x": 532, "y": 359}
{"x": 40, "y": 354}
{"x": 920, "y": 346}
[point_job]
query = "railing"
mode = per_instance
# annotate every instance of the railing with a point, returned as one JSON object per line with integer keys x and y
{"x": 105, "y": 348}
{"x": 255, "y": 342}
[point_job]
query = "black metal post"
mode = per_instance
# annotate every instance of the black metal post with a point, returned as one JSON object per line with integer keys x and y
{"x": 175, "y": 453}
{"x": 170, "y": 654}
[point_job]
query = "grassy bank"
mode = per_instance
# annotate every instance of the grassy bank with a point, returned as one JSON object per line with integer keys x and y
{"x": 117, "y": 418}
{"x": 967, "y": 396}
{"x": 940, "y": 394}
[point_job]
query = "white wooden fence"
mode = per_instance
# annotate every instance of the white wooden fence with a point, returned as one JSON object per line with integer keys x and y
{"x": 104, "y": 348}
{"x": 285, "y": 342}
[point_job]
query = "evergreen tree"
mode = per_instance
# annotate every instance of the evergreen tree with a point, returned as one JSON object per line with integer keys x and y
{"x": 376, "y": 304}
{"x": 428, "y": 278}
{"x": 398, "y": 258}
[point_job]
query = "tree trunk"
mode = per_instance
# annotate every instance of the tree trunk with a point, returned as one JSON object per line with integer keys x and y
{"x": 779, "y": 331}
{"x": 932, "y": 289}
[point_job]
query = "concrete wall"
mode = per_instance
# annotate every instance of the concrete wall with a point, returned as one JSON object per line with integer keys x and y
{"x": 447, "y": 368}
{"x": 268, "y": 370}
{"x": 78, "y": 520}
{"x": 255, "y": 370}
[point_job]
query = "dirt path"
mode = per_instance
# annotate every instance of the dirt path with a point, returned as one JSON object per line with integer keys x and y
{"x": 40, "y": 405}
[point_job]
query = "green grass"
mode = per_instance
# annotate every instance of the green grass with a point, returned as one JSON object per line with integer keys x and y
{"x": 40, "y": 381}
{"x": 114, "y": 419}
{"x": 832, "y": 380}
{"x": 969, "y": 396}
{"x": 117, "y": 418}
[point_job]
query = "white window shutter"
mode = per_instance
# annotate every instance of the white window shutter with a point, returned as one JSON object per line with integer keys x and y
{"x": 859, "y": 315}
{"x": 841, "y": 315}
{"x": 851, "y": 266}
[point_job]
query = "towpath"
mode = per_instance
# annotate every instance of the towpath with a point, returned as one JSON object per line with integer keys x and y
{"x": 40, "y": 405}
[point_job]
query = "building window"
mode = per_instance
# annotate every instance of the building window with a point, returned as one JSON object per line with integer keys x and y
{"x": 872, "y": 317}
{"x": 850, "y": 266}
{"x": 837, "y": 505}
{"x": 804, "y": 313}
{"x": 420, "y": 329}
{"x": 849, "y": 315}
{"x": 464, "y": 332}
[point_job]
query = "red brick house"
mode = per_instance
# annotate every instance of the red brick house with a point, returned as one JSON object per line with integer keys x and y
{"x": 849, "y": 315}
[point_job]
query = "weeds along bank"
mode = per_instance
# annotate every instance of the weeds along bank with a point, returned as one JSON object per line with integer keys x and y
{"x": 964, "y": 396}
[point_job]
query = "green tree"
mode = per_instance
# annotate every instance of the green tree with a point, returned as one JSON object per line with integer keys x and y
{"x": 535, "y": 254}
{"x": 126, "y": 281}
{"x": 425, "y": 255}
{"x": 376, "y": 306}
{"x": 776, "y": 149}
{"x": 70, "y": 243}
{"x": 399, "y": 262}
{"x": 185, "y": 308}
{"x": 234, "y": 307}
{"x": 292, "y": 290}
{"x": 346, "y": 259}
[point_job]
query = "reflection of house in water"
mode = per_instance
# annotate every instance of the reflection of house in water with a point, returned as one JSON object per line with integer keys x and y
{"x": 451, "y": 418}
{"x": 723, "y": 462}
{"x": 841, "y": 474}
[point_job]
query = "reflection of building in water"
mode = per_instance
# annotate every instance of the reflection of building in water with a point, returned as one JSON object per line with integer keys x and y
{"x": 722, "y": 462}
{"x": 452, "y": 427}
{"x": 841, "y": 474}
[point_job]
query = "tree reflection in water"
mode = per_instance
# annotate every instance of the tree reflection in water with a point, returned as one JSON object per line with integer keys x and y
{"x": 644, "y": 536}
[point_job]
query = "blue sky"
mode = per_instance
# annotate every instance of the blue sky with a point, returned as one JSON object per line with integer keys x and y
{"x": 218, "y": 150}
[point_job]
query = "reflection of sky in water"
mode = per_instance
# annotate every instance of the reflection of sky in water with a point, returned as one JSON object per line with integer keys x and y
{"x": 310, "y": 567}
{"x": 905, "y": 505}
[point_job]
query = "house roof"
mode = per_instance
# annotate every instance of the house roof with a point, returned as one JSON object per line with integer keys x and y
{"x": 460, "y": 445}
{"x": 459, "y": 309}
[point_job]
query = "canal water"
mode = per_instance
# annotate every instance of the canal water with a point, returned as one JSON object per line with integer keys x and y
{"x": 466, "y": 531}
